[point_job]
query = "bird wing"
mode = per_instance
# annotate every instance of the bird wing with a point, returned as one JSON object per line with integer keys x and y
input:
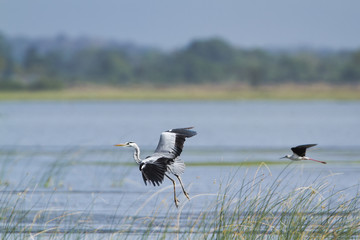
{"x": 172, "y": 141}
{"x": 301, "y": 149}
{"x": 177, "y": 166}
{"x": 153, "y": 171}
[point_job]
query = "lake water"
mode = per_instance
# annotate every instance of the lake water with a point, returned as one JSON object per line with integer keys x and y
{"x": 229, "y": 124}
{"x": 59, "y": 156}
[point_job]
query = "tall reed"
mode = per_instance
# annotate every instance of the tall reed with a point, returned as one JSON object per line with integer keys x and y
{"x": 245, "y": 207}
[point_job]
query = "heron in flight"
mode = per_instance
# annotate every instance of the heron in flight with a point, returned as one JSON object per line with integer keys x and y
{"x": 165, "y": 160}
{"x": 299, "y": 153}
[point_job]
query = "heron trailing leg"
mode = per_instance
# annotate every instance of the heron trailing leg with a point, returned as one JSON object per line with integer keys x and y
{"x": 175, "y": 198}
{"x": 182, "y": 186}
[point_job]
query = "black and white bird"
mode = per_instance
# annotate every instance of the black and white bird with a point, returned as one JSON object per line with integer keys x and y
{"x": 299, "y": 153}
{"x": 165, "y": 160}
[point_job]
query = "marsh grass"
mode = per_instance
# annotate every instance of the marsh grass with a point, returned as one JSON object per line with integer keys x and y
{"x": 258, "y": 210}
{"x": 4, "y": 168}
{"x": 253, "y": 210}
{"x": 259, "y": 206}
{"x": 12, "y": 213}
{"x": 51, "y": 177}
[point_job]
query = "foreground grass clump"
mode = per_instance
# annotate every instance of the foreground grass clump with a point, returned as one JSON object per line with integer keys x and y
{"x": 255, "y": 208}
{"x": 252, "y": 210}
{"x": 245, "y": 207}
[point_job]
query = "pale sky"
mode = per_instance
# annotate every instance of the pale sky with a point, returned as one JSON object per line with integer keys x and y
{"x": 171, "y": 24}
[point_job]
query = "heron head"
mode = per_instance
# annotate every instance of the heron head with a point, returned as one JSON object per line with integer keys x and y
{"x": 286, "y": 156}
{"x": 127, "y": 144}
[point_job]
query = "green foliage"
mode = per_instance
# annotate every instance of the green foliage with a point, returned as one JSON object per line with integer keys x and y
{"x": 36, "y": 85}
{"x": 211, "y": 61}
{"x": 6, "y": 61}
{"x": 11, "y": 85}
{"x": 352, "y": 68}
{"x": 46, "y": 83}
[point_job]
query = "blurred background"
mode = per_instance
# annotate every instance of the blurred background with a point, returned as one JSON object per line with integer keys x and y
{"x": 254, "y": 78}
{"x": 58, "y": 45}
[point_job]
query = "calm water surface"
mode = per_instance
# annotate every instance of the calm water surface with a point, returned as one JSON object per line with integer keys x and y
{"x": 243, "y": 123}
{"x": 61, "y": 153}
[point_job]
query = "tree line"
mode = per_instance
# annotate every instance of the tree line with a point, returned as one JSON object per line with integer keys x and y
{"x": 208, "y": 61}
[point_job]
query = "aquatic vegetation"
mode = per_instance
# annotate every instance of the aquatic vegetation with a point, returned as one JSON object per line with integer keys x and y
{"x": 250, "y": 207}
{"x": 310, "y": 212}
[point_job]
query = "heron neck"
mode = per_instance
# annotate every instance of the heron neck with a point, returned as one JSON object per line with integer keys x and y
{"x": 137, "y": 154}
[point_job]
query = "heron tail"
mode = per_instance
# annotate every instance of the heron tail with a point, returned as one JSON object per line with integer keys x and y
{"x": 177, "y": 167}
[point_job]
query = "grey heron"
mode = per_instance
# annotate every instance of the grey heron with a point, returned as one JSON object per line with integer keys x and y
{"x": 165, "y": 160}
{"x": 299, "y": 153}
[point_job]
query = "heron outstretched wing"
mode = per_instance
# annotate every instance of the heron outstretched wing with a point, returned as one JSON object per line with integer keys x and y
{"x": 172, "y": 141}
{"x": 301, "y": 149}
{"x": 154, "y": 171}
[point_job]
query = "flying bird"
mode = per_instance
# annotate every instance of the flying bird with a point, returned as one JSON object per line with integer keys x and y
{"x": 165, "y": 160}
{"x": 299, "y": 153}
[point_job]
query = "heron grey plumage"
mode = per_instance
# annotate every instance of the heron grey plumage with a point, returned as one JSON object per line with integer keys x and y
{"x": 165, "y": 160}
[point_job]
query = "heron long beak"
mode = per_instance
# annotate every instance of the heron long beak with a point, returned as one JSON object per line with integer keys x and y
{"x": 282, "y": 157}
{"x": 119, "y": 145}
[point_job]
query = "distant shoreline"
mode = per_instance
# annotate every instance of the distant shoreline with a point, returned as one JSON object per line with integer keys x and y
{"x": 191, "y": 92}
